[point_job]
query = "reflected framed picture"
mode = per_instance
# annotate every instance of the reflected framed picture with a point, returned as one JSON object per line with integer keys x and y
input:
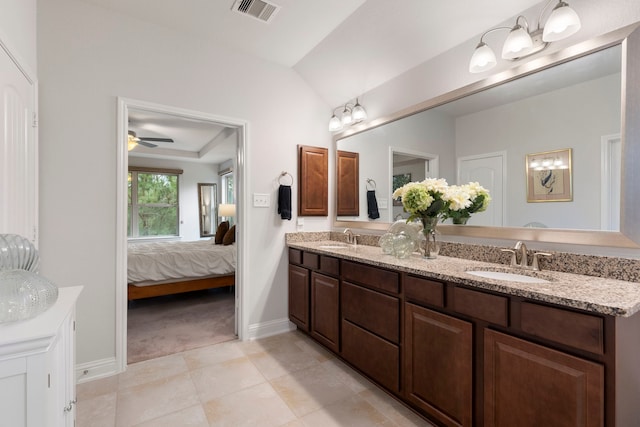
{"x": 399, "y": 181}
{"x": 549, "y": 177}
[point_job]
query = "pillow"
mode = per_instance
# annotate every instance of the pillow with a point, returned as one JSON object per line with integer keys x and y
{"x": 230, "y": 236}
{"x": 223, "y": 227}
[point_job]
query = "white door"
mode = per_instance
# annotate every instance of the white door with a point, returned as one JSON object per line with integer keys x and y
{"x": 611, "y": 184}
{"x": 18, "y": 152}
{"x": 489, "y": 170}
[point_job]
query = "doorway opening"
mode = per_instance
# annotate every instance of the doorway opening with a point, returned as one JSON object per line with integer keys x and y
{"x": 197, "y": 147}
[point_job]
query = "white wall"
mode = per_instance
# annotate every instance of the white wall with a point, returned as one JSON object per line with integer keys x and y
{"x": 83, "y": 68}
{"x": 192, "y": 174}
{"x": 18, "y": 29}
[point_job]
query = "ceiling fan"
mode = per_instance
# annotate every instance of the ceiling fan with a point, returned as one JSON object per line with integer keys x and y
{"x": 144, "y": 141}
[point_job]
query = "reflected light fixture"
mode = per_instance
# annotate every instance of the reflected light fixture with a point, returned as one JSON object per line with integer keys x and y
{"x": 547, "y": 163}
{"x": 522, "y": 41}
{"x": 351, "y": 114}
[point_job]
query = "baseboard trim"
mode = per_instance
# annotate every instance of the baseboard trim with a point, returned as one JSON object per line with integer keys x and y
{"x": 96, "y": 369}
{"x": 267, "y": 329}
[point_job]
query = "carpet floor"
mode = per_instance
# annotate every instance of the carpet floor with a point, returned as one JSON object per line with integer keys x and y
{"x": 172, "y": 324}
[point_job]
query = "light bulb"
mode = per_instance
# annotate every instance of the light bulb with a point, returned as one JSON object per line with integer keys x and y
{"x": 518, "y": 43}
{"x": 483, "y": 59}
{"x": 334, "y": 124}
{"x": 562, "y": 23}
{"x": 358, "y": 113}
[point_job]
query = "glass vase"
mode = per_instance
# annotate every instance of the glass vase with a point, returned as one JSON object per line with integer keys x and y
{"x": 431, "y": 242}
{"x": 460, "y": 220}
{"x": 24, "y": 294}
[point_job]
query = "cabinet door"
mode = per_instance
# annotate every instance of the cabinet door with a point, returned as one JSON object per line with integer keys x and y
{"x": 438, "y": 365}
{"x": 530, "y": 385}
{"x": 325, "y": 314}
{"x": 299, "y": 296}
{"x": 18, "y": 152}
{"x": 61, "y": 384}
{"x": 313, "y": 181}
{"x": 348, "y": 200}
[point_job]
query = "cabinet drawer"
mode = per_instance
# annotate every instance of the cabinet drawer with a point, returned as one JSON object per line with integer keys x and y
{"x": 483, "y": 306}
{"x": 372, "y": 355}
{"x": 295, "y": 256}
{"x": 330, "y": 265}
{"x": 371, "y": 277}
{"x": 424, "y": 290}
{"x": 371, "y": 310}
{"x": 311, "y": 260}
{"x": 578, "y": 330}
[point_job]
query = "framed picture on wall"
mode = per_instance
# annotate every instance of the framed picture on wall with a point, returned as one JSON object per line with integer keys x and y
{"x": 399, "y": 181}
{"x": 549, "y": 176}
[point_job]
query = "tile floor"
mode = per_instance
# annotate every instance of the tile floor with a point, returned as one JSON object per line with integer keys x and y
{"x": 285, "y": 380}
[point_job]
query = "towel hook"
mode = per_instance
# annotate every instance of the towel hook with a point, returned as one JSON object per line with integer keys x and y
{"x": 284, "y": 174}
{"x": 371, "y": 183}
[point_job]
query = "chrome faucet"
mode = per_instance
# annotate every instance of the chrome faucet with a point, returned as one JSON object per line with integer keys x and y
{"x": 524, "y": 262}
{"x": 351, "y": 238}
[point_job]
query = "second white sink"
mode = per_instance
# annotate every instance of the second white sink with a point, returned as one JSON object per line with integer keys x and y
{"x": 336, "y": 246}
{"x": 511, "y": 277}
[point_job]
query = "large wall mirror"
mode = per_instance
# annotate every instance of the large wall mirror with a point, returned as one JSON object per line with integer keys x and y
{"x": 207, "y": 208}
{"x": 580, "y": 99}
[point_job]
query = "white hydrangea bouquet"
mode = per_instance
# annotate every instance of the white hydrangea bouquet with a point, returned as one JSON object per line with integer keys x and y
{"x": 423, "y": 200}
{"x": 464, "y": 200}
{"x": 434, "y": 199}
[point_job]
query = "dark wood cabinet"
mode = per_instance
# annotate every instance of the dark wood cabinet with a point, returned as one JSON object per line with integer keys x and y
{"x": 527, "y": 384}
{"x": 464, "y": 356}
{"x": 347, "y": 188}
{"x": 438, "y": 365}
{"x": 313, "y": 181}
{"x": 325, "y": 310}
{"x": 299, "y": 296}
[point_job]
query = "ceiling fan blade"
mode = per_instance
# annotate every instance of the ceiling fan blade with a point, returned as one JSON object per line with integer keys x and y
{"x": 146, "y": 144}
{"x": 156, "y": 139}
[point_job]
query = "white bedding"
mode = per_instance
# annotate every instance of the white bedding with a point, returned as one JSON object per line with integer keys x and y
{"x": 176, "y": 260}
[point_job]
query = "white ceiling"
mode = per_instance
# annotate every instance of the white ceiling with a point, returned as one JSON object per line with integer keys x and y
{"x": 193, "y": 139}
{"x": 342, "y": 48}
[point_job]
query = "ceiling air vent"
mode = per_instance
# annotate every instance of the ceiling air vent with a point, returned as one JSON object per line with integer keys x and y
{"x": 256, "y": 8}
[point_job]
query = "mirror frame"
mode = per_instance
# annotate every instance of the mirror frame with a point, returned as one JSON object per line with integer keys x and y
{"x": 213, "y": 208}
{"x": 629, "y": 235}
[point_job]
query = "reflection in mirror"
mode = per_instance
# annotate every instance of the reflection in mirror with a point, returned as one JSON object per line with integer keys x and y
{"x": 207, "y": 205}
{"x": 486, "y": 137}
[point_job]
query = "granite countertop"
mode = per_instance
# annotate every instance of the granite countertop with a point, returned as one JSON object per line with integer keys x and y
{"x": 594, "y": 294}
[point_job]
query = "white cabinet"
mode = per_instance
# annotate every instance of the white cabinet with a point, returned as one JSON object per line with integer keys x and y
{"x": 37, "y": 375}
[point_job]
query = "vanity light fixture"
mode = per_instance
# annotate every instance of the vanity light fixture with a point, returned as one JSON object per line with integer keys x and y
{"x": 547, "y": 163}
{"x": 521, "y": 41}
{"x": 351, "y": 114}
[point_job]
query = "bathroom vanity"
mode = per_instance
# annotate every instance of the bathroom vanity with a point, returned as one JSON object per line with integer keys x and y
{"x": 464, "y": 350}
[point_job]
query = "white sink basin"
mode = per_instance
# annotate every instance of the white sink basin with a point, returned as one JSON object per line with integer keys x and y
{"x": 511, "y": 277}
{"x": 336, "y": 246}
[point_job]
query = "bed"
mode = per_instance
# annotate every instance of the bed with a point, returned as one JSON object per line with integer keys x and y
{"x": 167, "y": 268}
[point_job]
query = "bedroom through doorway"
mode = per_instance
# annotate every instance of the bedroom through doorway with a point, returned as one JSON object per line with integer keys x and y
{"x": 179, "y": 237}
